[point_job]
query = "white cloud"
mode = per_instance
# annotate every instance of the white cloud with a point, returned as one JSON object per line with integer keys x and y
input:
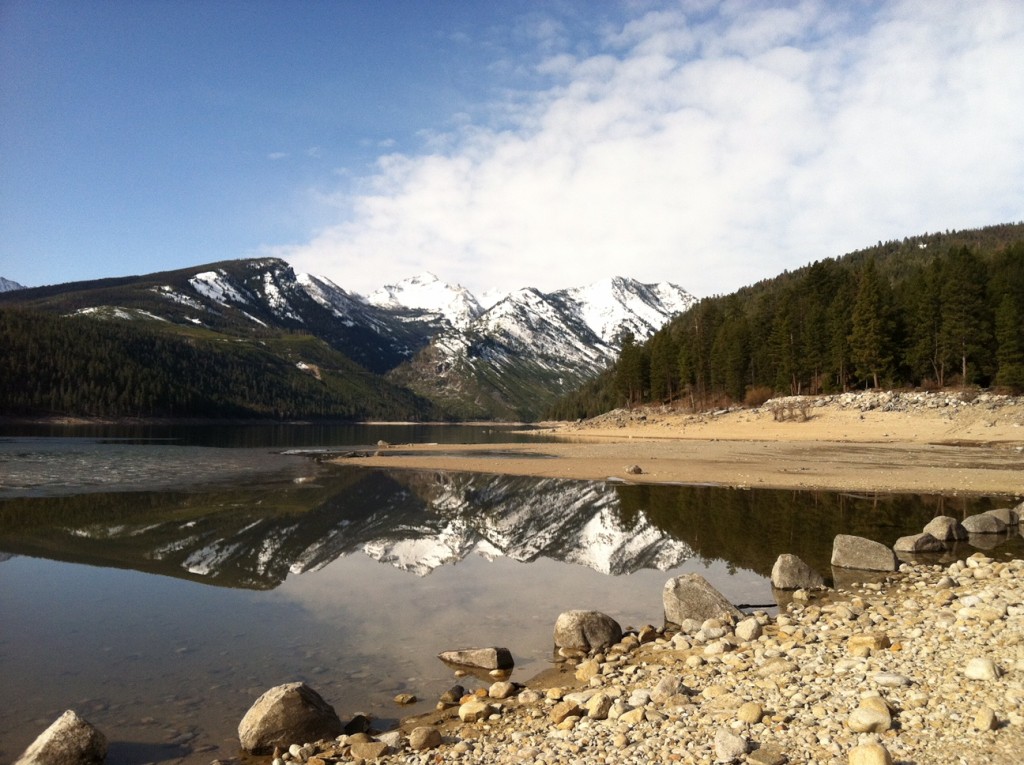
{"x": 276, "y": 155}
{"x": 709, "y": 151}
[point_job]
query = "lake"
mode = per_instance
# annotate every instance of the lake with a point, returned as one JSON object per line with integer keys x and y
{"x": 159, "y": 579}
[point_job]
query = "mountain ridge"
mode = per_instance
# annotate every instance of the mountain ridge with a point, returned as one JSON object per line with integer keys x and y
{"x": 434, "y": 339}
{"x": 531, "y": 347}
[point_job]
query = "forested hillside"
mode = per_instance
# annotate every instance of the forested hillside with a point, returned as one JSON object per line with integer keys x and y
{"x": 419, "y": 350}
{"x": 95, "y": 367}
{"x": 932, "y": 311}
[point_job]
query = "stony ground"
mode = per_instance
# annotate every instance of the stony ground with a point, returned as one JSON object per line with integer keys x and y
{"x": 929, "y": 664}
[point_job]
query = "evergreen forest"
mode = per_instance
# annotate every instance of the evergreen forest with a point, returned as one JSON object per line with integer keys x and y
{"x": 101, "y": 368}
{"x": 932, "y": 311}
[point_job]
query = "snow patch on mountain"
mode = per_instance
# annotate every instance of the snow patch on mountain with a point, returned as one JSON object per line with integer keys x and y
{"x": 117, "y": 312}
{"x": 541, "y": 344}
{"x": 490, "y": 298}
{"x": 426, "y": 292}
{"x": 275, "y": 298}
{"x": 6, "y": 285}
{"x": 166, "y": 291}
{"x": 218, "y": 287}
{"x": 332, "y": 297}
{"x": 532, "y": 322}
{"x": 614, "y": 305}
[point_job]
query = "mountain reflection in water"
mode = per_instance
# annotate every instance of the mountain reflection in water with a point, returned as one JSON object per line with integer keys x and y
{"x": 349, "y": 579}
{"x": 253, "y": 536}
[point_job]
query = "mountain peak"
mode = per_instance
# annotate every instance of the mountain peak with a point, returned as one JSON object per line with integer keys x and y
{"x": 6, "y": 285}
{"x": 610, "y": 306}
{"x": 426, "y": 292}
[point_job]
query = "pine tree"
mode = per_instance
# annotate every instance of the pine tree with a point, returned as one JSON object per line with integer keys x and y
{"x": 700, "y": 324}
{"x": 927, "y": 353}
{"x": 1010, "y": 340}
{"x": 664, "y": 373}
{"x": 730, "y": 356}
{"x": 966, "y": 329}
{"x": 870, "y": 333}
{"x": 630, "y": 371}
{"x": 783, "y": 346}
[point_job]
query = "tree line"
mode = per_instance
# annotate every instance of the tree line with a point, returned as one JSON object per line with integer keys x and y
{"x": 92, "y": 367}
{"x": 910, "y": 314}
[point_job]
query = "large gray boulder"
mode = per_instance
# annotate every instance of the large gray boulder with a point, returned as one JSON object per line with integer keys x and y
{"x": 864, "y": 554}
{"x": 586, "y": 630}
{"x": 287, "y": 714}
{"x": 70, "y": 740}
{"x": 482, "y": 658}
{"x": 918, "y": 543}
{"x": 946, "y": 528}
{"x": 984, "y": 523}
{"x": 1007, "y": 515}
{"x": 691, "y": 597}
{"x": 791, "y": 573}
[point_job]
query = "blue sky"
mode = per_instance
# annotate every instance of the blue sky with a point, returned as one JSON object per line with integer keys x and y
{"x": 500, "y": 144}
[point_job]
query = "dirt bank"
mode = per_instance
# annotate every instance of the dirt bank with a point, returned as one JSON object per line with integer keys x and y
{"x": 931, "y": 443}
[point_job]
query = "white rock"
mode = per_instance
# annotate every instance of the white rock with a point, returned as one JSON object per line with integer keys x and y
{"x": 729, "y": 747}
{"x": 981, "y": 668}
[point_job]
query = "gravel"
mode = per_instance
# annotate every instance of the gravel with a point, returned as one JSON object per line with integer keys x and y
{"x": 927, "y": 667}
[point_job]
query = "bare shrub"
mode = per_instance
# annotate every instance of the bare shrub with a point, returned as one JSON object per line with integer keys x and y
{"x": 757, "y": 395}
{"x": 791, "y": 409}
{"x": 968, "y": 394}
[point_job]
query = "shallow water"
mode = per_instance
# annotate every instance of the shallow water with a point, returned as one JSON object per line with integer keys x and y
{"x": 159, "y": 587}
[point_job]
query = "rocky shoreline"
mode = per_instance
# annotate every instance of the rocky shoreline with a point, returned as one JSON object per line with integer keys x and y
{"x": 929, "y": 663}
{"x": 924, "y": 664}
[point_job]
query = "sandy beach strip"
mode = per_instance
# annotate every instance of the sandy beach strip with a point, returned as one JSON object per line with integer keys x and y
{"x": 967, "y": 450}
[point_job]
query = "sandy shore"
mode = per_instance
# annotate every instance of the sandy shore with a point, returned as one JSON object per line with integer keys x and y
{"x": 868, "y": 442}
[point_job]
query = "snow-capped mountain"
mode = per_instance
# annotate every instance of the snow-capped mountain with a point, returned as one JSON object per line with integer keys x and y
{"x": 529, "y": 348}
{"x": 6, "y": 285}
{"x": 612, "y": 306}
{"x": 507, "y": 361}
{"x": 426, "y": 292}
{"x": 506, "y": 357}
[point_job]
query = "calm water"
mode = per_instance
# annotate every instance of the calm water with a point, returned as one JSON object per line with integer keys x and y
{"x": 158, "y": 581}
